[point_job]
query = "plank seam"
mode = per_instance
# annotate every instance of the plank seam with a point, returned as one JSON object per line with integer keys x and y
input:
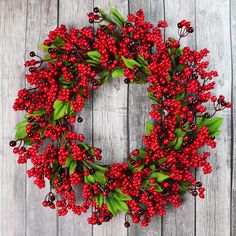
{"x": 195, "y": 171}
{"x": 25, "y": 167}
{"x": 58, "y": 22}
{"x": 164, "y": 15}
{"x": 232, "y": 122}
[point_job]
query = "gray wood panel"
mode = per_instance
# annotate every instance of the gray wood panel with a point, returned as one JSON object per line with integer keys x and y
{"x": 73, "y": 14}
{"x": 115, "y": 118}
{"x": 41, "y": 18}
{"x": 12, "y": 53}
{"x": 139, "y": 106}
{"x": 213, "y": 32}
{"x": 175, "y": 222}
{"x": 233, "y": 115}
{"x": 110, "y": 107}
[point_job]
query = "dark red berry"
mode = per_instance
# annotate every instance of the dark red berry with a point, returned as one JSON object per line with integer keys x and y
{"x": 127, "y": 224}
{"x": 127, "y": 81}
{"x": 12, "y": 143}
{"x": 31, "y": 69}
{"x": 32, "y": 54}
{"x": 207, "y": 115}
{"x": 190, "y": 30}
{"x": 51, "y": 50}
{"x": 96, "y": 9}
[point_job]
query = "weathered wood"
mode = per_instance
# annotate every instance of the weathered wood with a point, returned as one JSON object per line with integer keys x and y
{"x": 175, "y": 222}
{"x": 73, "y": 14}
{"x": 110, "y": 124}
{"x": 213, "y": 32}
{"x": 233, "y": 117}
{"x": 23, "y": 25}
{"x": 12, "y": 180}
{"x": 139, "y": 107}
{"x": 41, "y": 18}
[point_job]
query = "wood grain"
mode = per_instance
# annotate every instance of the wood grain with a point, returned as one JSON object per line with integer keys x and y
{"x": 73, "y": 14}
{"x": 12, "y": 177}
{"x": 213, "y": 32}
{"x": 175, "y": 222}
{"x": 110, "y": 124}
{"x": 233, "y": 117}
{"x": 115, "y": 118}
{"x": 41, "y": 18}
{"x": 139, "y": 106}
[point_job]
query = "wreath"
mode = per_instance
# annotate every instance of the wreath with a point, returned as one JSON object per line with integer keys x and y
{"x": 78, "y": 61}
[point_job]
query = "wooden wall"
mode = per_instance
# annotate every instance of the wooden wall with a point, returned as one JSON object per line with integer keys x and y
{"x": 115, "y": 117}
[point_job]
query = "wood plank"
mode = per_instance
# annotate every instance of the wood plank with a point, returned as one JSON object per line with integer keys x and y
{"x": 12, "y": 178}
{"x": 42, "y": 17}
{"x": 213, "y": 32}
{"x": 73, "y": 14}
{"x": 139, "y": 106}
{"x": 110, "y": 124}
{"x": 233, "y": 117}
{"x": 175, "y": 222}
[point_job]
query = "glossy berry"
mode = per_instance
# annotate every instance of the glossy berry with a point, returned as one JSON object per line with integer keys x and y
{"x": 12, "y": 143}
{"x": 96, "y": 9}
{"x": 32, "y": 54}
{"x": 80, "y": 119}
{"x": 127, "y": 224}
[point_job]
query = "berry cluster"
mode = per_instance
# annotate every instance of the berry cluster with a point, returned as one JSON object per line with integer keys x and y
{"x": 80, "y": 60}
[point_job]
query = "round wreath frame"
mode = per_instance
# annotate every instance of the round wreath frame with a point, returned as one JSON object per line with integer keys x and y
{"x": 80, "y": 60}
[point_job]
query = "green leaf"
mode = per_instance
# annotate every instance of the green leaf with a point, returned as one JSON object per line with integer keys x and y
{"x": 117, "y": 16}
{"x": 61, "y": 108}
{"x": 180, "y": 67}
{"x": 215, "y": 123}
{"x": 119, "y": 195}
{"x": 180, "y": 96}
{"x": 215, "y": 133}
{"x": 152, "y": 167}
{"x": 140, "y": 167}
{"x": 98, "y": 199}
{"x": 141, "y": 60}
{"x": 21, "y": 133}
{"x": 99, "y": 177}
{"x": 179, "y": 52}
{"x": 22, "y": 124}
{"x": 149, "y": 127}
{"x": 98, "y": 167}
{"x": 41, "y": 132}
{"x": 45, "y": 47}
{"x": 84, "y": 145}
{"x": 152, "y": 96}
{"x": 142, "y": 153}
{"x": 92, "y": 62}
{"x": 158, "y": 188}
{"x": 177, "y": 143}
{"x": 162, "y": 160}
{"x": 68, "y": 161}
{"x": 28, "y": 142}
{"x": 111, "y": 206}
{"x": 95, "y": 55}
{"x": 47, "y": 57}
{"x": 159, "y": 176}
{"x": 59, "y": 41}
{"x": 117, "y": 73}
{"x": 105, "y": 16}
{"x": 130, "y": 63}
{"x": 63, "y": 81}
{"x": 36, "y": 113}
{"x": 89, "y": 179}
{"x": 73, "y": 165}
{"x": 120, "y": 205}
